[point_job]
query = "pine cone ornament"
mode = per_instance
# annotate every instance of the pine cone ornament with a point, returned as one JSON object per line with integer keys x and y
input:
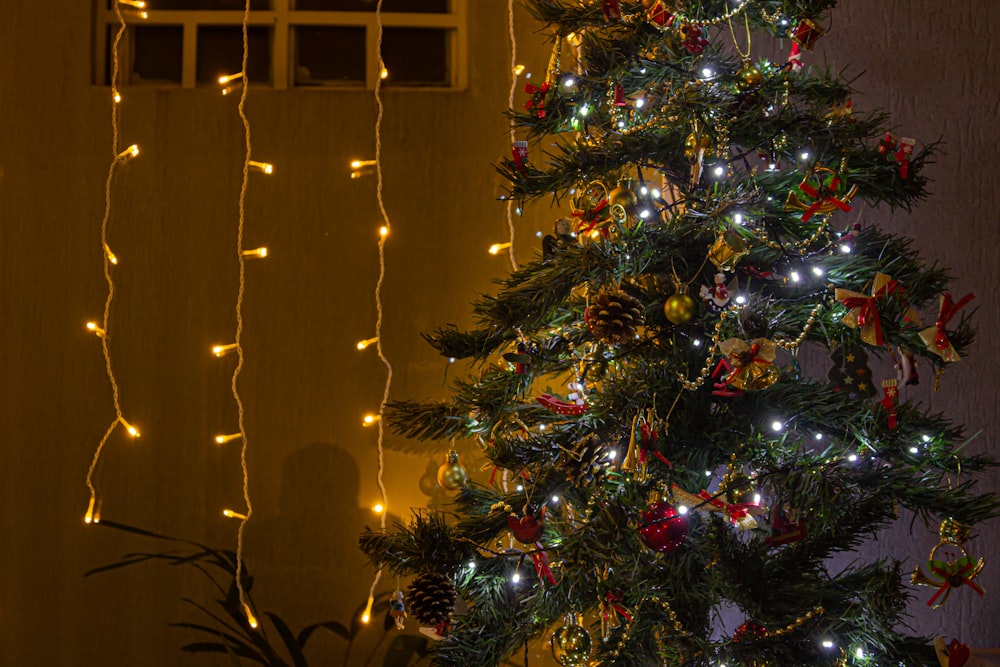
{"x": 431, "y": 599}
{"x": 613, "y": 316}
{"x": 587, "y": 461}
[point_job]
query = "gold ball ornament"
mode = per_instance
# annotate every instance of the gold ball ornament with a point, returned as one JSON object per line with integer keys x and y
{"x": 451, "y": 475}
{"x": 571, "y": 645}
{"x": 680, "y": 308}
{"x": 694, "y": 142}
{"x": 749, "y": 78}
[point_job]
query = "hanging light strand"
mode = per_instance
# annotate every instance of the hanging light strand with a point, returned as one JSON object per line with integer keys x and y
{"x": 386, "y": 227}
{"x": 513, "y": 135}
{"x": 243, "y": 517}
{"x": 93, "y": 514}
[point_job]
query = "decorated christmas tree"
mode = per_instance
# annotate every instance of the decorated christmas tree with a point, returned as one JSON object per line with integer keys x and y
{"x": 661, "y": 459}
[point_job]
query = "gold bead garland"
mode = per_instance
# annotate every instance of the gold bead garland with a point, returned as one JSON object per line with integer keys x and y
{"x": 626, "y": 631}
{"x": 810, "y": 321}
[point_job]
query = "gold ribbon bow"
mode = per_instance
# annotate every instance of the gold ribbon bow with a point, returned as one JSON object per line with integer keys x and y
{"x": 863, "y": 311}
{"x": 753, "y": 363}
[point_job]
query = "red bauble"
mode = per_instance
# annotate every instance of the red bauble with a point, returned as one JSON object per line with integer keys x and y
{"x": 663, "y": 528}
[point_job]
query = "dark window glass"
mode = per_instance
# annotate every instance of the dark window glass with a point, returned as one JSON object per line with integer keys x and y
{"x": 329, "y": 56}
{"x": 220, "y": 52}
{"x": 201, "y": 4}
{"x": 157, "y": 54}
{"x": 409, "y": 6}
{"x": 416, "y": 56}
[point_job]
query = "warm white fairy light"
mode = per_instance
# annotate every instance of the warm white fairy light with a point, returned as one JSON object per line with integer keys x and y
{"x": 363, "y": 344}
{"x": 497, "y": 247}
{"x": 370, "y": 419}
{"x": 93, "y": 513}
{"x": 263, "y": 167}
{"x": 515, "y": 71}
{"x": 237, "y": 346}
{"x": 383, "y": 235}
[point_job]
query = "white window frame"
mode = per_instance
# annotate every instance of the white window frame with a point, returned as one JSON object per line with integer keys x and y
{"x": 282, "y": 19}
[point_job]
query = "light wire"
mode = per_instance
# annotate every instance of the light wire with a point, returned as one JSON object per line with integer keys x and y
{"x": 513, "y": 135}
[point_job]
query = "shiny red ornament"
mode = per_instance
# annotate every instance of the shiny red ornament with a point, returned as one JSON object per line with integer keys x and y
{"x": 663, "y": 528}
{"x": 749, "y": 630}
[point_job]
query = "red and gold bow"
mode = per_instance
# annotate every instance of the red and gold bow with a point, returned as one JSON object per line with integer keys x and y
{"x": 936, "y": 337}
{"x": 590, "y": 218}
{"x": 752, "y": 363}
{"x": 537, "y": 102}
{"x": 740, "y": 514}
{"x": 864, "y": 311}
{"x": 823, "y": 194}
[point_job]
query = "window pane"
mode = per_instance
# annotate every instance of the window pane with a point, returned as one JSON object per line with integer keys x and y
{"x": 220, "y": 51}
{"x": 327, "y": 56}
{"x": 202, "y": 4}
{"x": 158, "y": 54}
{"x": 410, "y": 6}
{"x": 430, "y": 68}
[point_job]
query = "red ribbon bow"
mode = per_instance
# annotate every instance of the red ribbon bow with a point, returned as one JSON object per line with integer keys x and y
{"x": 612, "y": 606}
{"x": 822, "y": 195}
{"x": 537, "y": 101}
{"x": 952, "y": 579}
{"x": 735, "y": 511}
{"x": 590, "y": 217}
{"x": 948, "y": 310}
{"x": 867, "y": 309}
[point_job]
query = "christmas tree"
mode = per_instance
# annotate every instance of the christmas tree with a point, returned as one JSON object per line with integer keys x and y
{"x": 660, "y": 456}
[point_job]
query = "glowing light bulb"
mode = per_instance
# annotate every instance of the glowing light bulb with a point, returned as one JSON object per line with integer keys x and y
{"x": 358, "y": 164}
{"x": 818, "y": 436}
{"x": 794, "y": 275}
{"x": 384, "y": 74}
{"x": 88, "y": 518}
{"x": 613, "y": 454}
{"x": 518, "y": 70}
{"x": 914, "y": 450}
{"x": 378, "y": 508}
{"x": 116, "y": 97}
{"x": 656, "y": 193}
{"x": 719, "y": 171}
{"x": 584, "y": 109}
{"x": 555, "y": 499}
{"x": 682, "y": 509}
{"x": 756, "y": 499}
{"x": 639, "y": 103}
{"x": 738, "y": 218}
{"x": 98, "y": 331}
{"x": 138, "y": 4}
{"x": 228, "y": 437}
{"x": 515, "y": 578}
{"x": 132, "y": 430}
{"x": 263, "y": 167}
{"x": 740, "y": 299}
{"x": 852, "y": 457}
{"x": 707, "y": 73}
{"x": 251, "y": 619}
{"x": 129, "y": 153}
{"x": 497, "y": 247}
{"x": 777, "y": 426}
{"x": 804, "y": 155}
{"x": 383, "y": 231}
{"x": 370, "y": 419}
{"x": 226, "y": 78}
{"x": 696, "y": 342}
{"x": 844, "y": 248}
{"x": 255, "y": 253}
{"x": 232, "y": 514}
{"x": 472, "y": 565}
{"x": 827, "y": 643}
{"x": 110, "y": 255}
{"x": 644, "y": 191}
{"x": 925, "y": 438}
{"x": 859, "y": 653}
{"x": 223, "y": 350}
{"x": 362, "y": 344}
{"x": 817, "y": 271}
{"x": 569, "y": 82}
{"x": 366, "y": 615}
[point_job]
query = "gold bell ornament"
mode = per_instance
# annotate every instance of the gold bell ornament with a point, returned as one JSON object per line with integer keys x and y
{"x": 451, "y": 475}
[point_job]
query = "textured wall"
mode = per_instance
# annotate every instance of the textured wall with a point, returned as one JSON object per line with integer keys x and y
{"x": 312, "y": 465}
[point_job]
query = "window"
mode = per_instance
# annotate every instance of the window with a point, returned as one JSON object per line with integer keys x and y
{"x": 292, "y": 43}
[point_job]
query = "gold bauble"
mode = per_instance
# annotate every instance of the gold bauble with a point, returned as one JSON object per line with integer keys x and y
{"x": 622, "y": 202}
{"x": 954, "y": 532}
{"x": 739, "y": 488}
{"x": 571, "y": 645}
{"x": 748, "y": 78}
{"x": 680, "y": 308}
{"x": 451, "y": 475}
{"x": 695, "y": 142}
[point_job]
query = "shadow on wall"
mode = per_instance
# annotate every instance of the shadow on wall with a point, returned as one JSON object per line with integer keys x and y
{"x": 306, "y": 562}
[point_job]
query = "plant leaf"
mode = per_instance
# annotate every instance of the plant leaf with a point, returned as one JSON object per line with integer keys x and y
{"x": 294, "y": 649}
{"x": 333, "y": 626}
